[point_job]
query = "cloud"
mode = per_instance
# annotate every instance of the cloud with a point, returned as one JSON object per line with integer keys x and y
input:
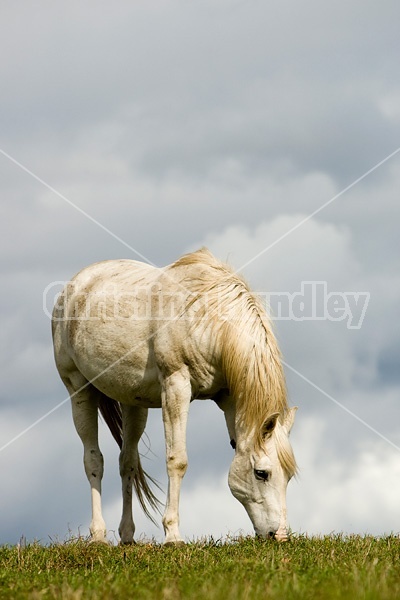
{"x": 39, "y": 476}
{"x": 188, "y": 89}
{"x": 358, "y": 495}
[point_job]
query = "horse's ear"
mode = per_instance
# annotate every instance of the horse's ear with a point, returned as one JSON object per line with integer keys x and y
{"x": 269, "y": 425}
{"x": 289, "y": 418}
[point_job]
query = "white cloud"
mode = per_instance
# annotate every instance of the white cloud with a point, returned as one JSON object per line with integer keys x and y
{"x": 286, "y": 264}
{"x": 360, "y": 494}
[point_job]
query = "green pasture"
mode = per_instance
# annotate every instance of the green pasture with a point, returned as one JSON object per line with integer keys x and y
{"x": 333, "y": 566}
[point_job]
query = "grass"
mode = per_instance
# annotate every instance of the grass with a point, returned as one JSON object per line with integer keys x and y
{"x": 307, "y": 568}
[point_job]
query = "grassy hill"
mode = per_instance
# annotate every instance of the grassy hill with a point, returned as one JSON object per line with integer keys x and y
{"x": 307, "y": 568}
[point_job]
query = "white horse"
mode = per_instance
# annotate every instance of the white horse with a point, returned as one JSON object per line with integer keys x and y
{"x": 129, "y": 337}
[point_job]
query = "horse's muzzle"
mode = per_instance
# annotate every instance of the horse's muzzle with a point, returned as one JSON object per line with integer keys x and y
{"x": 281, "y": 536}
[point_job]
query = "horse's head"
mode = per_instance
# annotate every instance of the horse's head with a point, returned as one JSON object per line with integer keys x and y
{"x": 259, "y": 475}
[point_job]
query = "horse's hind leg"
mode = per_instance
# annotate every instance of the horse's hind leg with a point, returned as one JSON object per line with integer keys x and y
{"x": 134, "y": 420}
{"x": 84, "y": 398}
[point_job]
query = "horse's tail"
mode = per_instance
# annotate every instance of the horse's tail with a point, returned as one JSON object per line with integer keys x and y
{"x": 144, "y": 493}
{"x": 111, "y": 412}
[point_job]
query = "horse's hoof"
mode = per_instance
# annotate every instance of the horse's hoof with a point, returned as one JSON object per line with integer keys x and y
{"x": 175, "y": 543}
{"x": 130, "y": 543}
{"x": 102, "y": 542}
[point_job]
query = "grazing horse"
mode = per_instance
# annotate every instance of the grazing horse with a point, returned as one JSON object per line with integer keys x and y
{"x": 129, "y": 337}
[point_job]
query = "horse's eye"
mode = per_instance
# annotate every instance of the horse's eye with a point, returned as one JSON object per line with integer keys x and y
{"x": 261, "y": 475}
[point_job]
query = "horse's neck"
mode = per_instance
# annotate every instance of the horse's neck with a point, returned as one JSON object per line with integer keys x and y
{"x": 237, "y": 434}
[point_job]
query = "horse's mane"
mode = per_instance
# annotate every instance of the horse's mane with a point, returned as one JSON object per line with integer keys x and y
{"x": 251, "y": 359}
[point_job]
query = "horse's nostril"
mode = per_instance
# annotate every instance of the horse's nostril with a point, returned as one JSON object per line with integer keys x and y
{"x": 271, "y": 534}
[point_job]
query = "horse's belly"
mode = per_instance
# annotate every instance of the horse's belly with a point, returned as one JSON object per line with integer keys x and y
{"x": 118, "y": 362}
{"x": 130, "y": 388}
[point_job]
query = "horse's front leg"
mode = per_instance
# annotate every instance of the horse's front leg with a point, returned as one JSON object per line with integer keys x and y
{"x": 176, "y": 397}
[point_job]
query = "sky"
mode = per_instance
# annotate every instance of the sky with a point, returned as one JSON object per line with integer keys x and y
{"x": 267, "y": 131}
